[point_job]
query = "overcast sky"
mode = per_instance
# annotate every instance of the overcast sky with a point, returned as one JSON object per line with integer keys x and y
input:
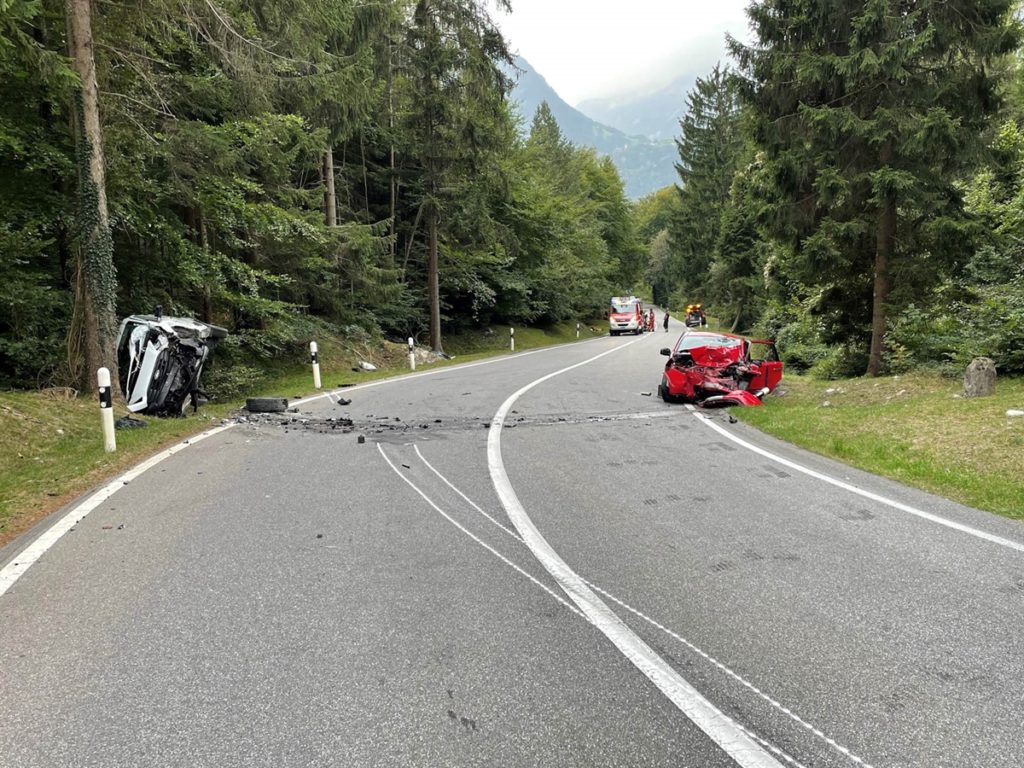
{"x": 588, "y": 48}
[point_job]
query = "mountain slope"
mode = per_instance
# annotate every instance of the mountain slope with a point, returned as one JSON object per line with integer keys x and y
{"x": 644, "y": 165}
{"x": 655, "y": 114}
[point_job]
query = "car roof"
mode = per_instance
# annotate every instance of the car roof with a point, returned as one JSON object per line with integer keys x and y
{"x": 727, "y": 336}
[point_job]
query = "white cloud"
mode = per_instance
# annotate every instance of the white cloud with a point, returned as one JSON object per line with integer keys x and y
{"x": 588, "y": 48}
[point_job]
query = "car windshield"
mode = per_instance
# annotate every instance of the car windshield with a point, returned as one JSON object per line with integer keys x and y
{"x": 623, "y": 309}
{"x": 694, "y": 340}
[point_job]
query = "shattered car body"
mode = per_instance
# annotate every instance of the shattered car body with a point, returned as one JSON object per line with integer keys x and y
{"x": 160, "y": 360}
{"x": 715, "y": 370}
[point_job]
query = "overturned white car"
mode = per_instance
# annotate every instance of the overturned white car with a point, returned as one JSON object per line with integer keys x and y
{"x": 160, "y": 360}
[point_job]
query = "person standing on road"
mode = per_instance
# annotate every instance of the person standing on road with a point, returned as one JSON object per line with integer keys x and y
{"x": 665, "y": 321}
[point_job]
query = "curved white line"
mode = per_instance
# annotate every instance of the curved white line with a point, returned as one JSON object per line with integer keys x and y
{"x": 474, "y": 537}
{"x": 674, "y": 635}
{"x": 976, "y": 532}
{"x": 21, "y": 562}
{"x": 725, "y": 732}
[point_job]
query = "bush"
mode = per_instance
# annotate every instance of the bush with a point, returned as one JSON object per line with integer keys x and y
{"x": 841, "y": 362}
{"x": 227, "y": 382}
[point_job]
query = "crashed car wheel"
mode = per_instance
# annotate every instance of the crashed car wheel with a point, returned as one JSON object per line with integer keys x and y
{"x": 266, "y": 404}
{"x": 663, "y": 392}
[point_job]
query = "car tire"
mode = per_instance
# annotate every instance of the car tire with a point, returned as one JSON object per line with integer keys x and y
{"x": 266, "y": 404}
{"x": 664, "y": 393}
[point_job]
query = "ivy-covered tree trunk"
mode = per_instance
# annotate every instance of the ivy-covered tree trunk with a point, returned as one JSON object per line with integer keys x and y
{"x": 93, "y": 334}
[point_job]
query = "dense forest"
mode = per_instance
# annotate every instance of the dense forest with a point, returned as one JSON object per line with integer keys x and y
{"x": 852, "y": 186}
{"x": 283, "y": 168}
{"x": 851, "y": 183}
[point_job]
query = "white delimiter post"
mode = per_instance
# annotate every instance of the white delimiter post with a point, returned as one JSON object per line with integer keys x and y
{"x": 412, "y": 354}
{"x": 512, "y": 339}
{"x": 314, "y": 358}
{"x": 577, "y": 330}
{"x": 106, "y": 410}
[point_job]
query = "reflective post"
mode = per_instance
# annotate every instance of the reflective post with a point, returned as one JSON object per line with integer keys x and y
{"x": 314, "y": 358}
{"x": 106, "y": 410}
{"x": 577, "y": 330}
{"x": 512, "y": 339}
{"x": 412, "y": 354}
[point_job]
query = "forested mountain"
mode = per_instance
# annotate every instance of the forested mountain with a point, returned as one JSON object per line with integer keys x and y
{"x": 282, "y": 169}
{"x": 645, "y": 165}
{"x": 654, "y": 113}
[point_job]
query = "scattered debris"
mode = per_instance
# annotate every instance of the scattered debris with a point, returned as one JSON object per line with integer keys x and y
{"x": 826, "y": 404}
{"x": 367, "y": 366}
{"x": 344, "y": 401}
{"x": 646, "y": 394}
{"x": 129, "y": 422}
{"x": 362, "y": 439}
{"x": 732, "y": 419}
{"x": 319, "y": 535}
{"x": 1014, "y": 412}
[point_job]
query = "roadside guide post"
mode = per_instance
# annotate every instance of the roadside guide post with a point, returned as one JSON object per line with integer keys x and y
{"x": 106, "y": 410}
{"x": 412, "y": 354}
{"x": 314, "y": 358}
{"x": 512, "y": 339}
{"x": 577, "y": 330}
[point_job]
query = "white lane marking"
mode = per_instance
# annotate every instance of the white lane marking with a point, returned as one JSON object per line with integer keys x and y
{"x": 675, "y": 636}
{"x": 976, "y": 532}
{"x": 474, "y": 537}
{"x": 24, "y": 559}
{"x": 445, "y": 369}
{"x": 718, "y": 726}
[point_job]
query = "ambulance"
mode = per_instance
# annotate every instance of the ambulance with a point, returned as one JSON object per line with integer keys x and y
{"x": 626, "y": 315}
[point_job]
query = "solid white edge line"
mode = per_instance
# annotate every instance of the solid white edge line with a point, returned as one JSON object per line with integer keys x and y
{"x": 732, "y": 738}
{"x": 675, "y": 636}
{"x": 976, "y": 532}
{"x": 476, "y": 538}
{"x": 21, "y": 562}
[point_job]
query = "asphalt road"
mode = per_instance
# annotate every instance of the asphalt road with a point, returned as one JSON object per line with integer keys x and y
{"x": 595, "y": 579}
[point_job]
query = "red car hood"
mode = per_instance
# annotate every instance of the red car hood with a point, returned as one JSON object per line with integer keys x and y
{"x": 715, "y": 357}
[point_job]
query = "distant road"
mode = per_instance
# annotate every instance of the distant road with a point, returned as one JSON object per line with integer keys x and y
{"x": 531, "y": 561}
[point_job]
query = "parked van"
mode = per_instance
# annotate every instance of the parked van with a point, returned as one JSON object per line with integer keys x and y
{"x": 626, "y": 315}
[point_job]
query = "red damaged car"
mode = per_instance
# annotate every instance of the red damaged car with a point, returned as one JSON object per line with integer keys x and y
{"x": 716, "y": 370}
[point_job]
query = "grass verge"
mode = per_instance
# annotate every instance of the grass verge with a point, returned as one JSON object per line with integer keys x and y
{"x": 52, "y": 451}
{"x": 914, "y": 428}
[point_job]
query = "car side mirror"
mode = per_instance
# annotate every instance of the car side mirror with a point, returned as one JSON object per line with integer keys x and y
{"x": 666, "y": 351}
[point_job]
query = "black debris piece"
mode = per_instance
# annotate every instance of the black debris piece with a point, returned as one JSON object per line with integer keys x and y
{"x": 129, "y": 422}
{"x": 344, "y": 401}
{"x": 361, "y": 439}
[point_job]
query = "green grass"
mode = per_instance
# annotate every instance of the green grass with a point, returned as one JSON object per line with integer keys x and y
{"x": 51, "y": 448}
{"x": 913, "y": 428}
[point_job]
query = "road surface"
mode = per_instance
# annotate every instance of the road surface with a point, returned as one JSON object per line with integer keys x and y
{"x": 531, "y": 561}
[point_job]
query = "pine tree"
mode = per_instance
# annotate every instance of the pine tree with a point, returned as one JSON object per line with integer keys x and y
{"x": 709, "y": 151}
{"x": 868, "y": 111}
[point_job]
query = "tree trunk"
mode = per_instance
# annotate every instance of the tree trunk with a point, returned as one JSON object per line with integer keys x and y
{"x": 886, "y": 241}
{"x": 330, "y": 199}
{"x": 433, "y": 283}
{"x": 94, "y": 331}
{"x": 204, "y": 241}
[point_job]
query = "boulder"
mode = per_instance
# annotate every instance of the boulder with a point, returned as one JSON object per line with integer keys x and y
{"x": 980, "y": 378}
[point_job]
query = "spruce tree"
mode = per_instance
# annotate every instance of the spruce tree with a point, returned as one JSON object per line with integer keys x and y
{"x": 868, "y": 112}
{"x": 709, "y": 150}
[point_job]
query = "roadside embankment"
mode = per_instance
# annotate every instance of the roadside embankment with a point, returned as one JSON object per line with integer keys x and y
{"x": 916, "y": 429}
